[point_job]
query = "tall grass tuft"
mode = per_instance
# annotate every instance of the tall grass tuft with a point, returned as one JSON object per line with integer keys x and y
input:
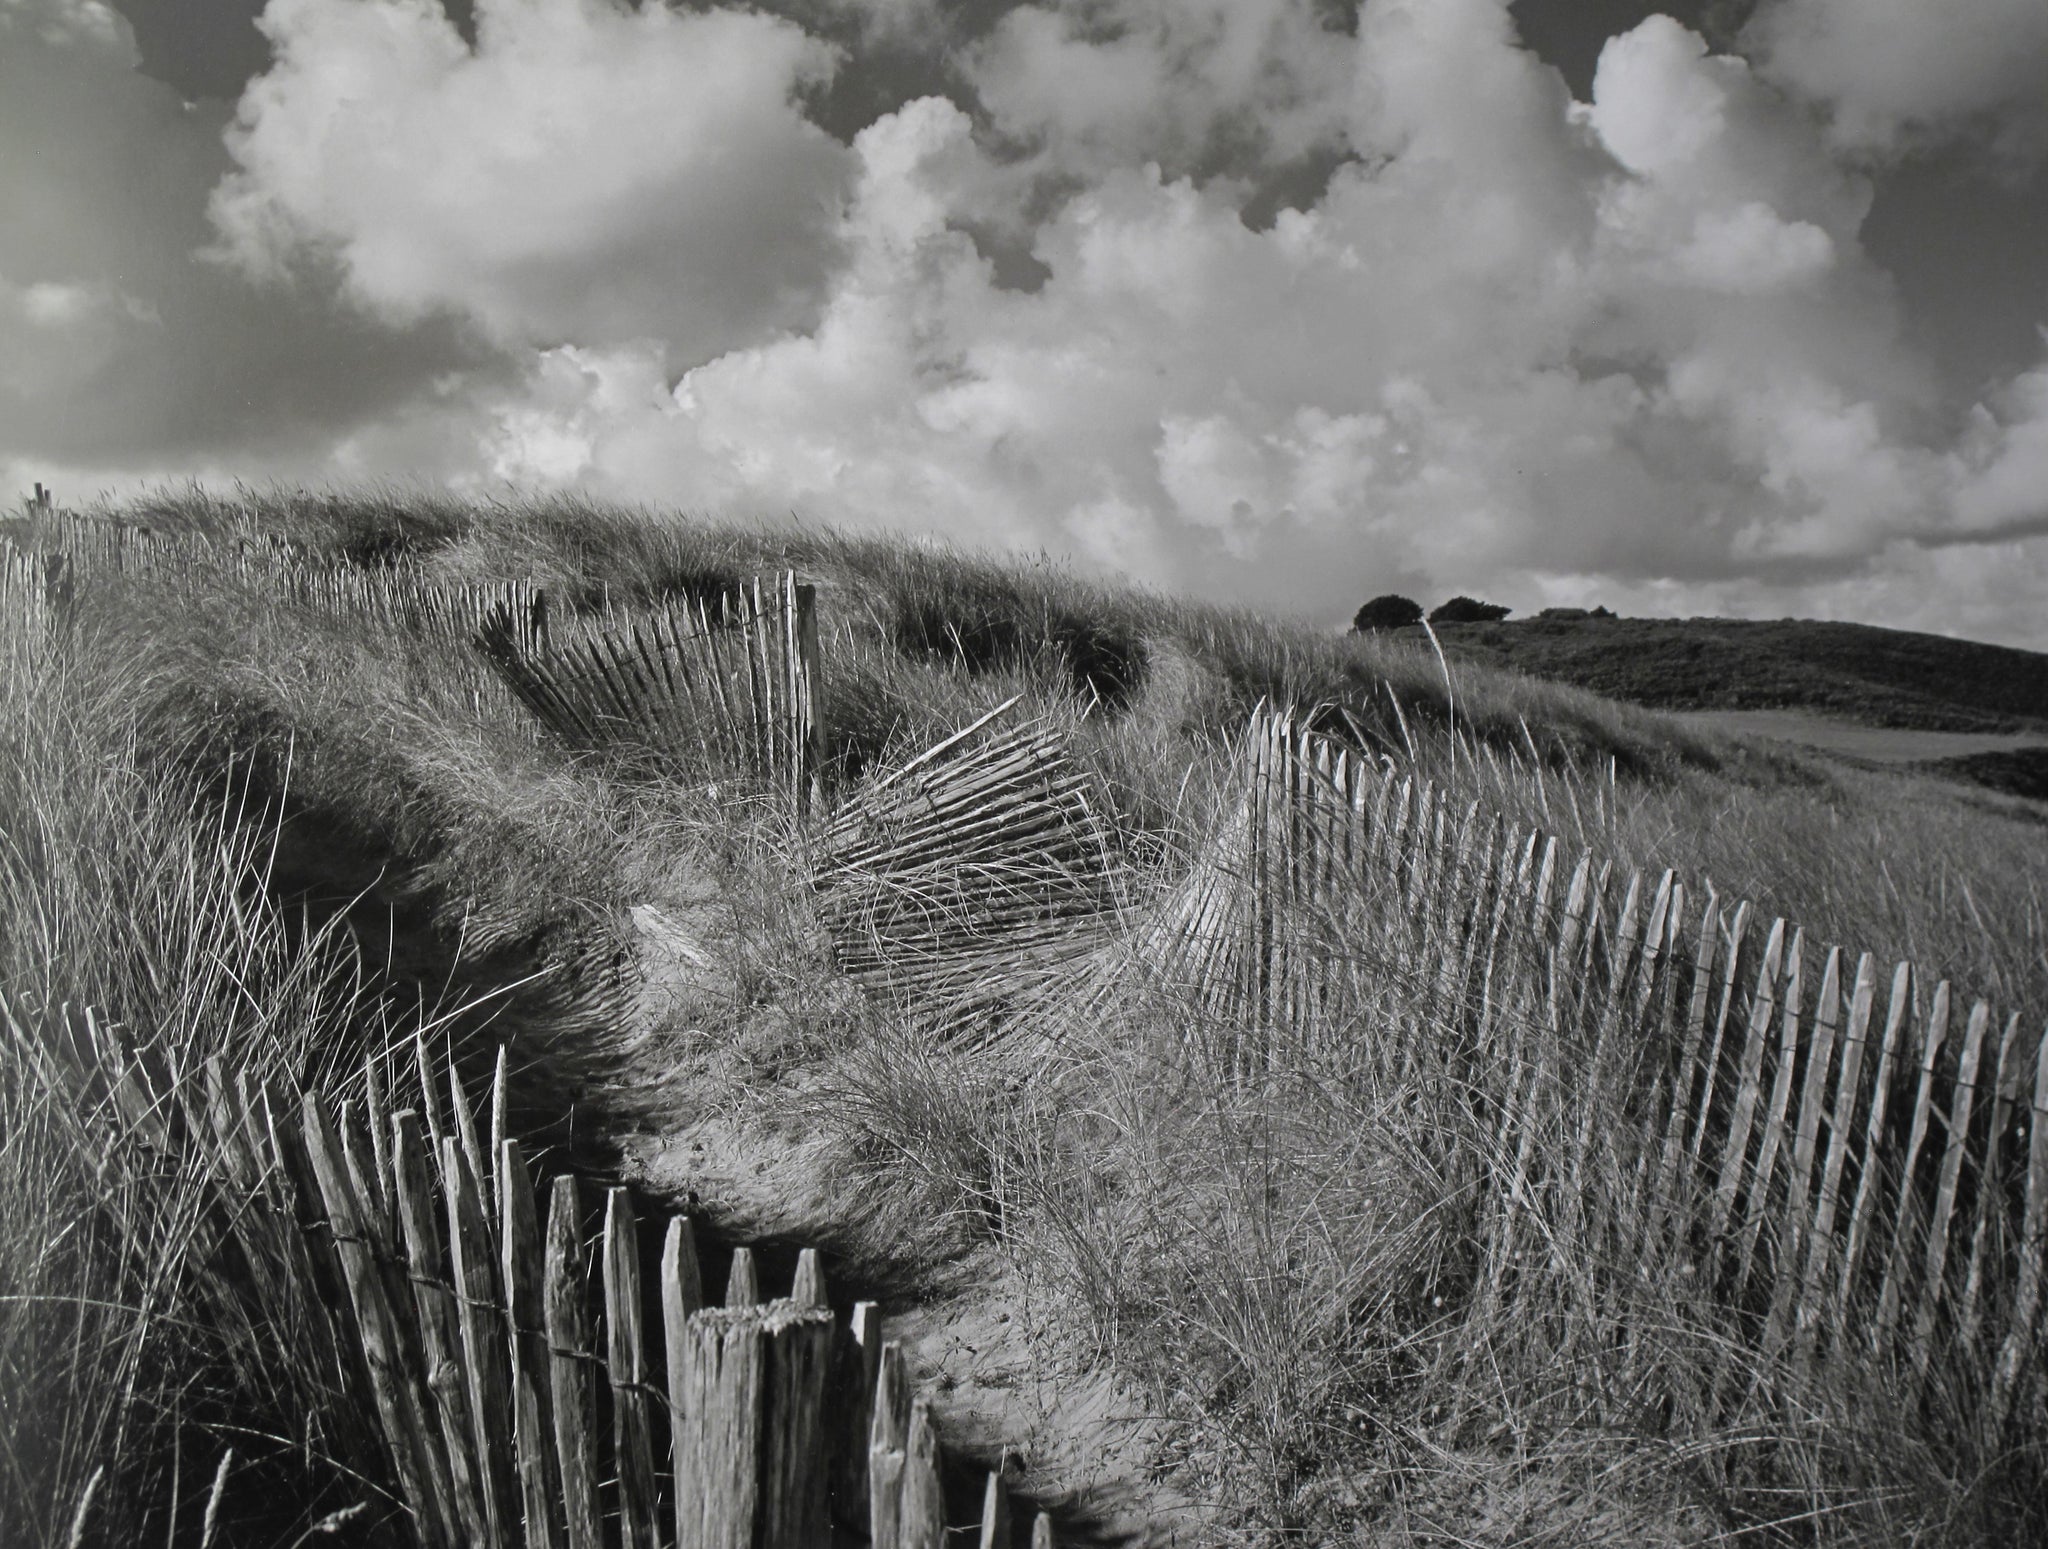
{"x": 150, "y": 1317}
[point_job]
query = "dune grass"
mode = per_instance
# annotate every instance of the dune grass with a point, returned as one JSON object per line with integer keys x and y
{"x": 1283, "y": 1269}
{"x": 135, "y": 1363}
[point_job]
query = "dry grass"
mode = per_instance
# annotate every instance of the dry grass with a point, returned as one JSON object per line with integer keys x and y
{"x": 1291, "y": 1268}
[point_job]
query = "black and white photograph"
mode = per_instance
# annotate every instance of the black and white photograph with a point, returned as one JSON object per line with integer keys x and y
{"x": 964, "y": 774}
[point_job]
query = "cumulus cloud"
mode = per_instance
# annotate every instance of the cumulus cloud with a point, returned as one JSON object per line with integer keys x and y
{"x": 121, "y": 355}
{"x": 1518, "y": 337}
{"x": 1895, "y": 72}
{"x": 584, "y": 174}
{"x": 89, "y": 26}
{"x": 1629, "y": 350}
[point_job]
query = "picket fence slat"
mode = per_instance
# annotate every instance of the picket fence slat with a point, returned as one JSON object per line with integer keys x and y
{"x": 1749, "y": 1091}
{"x": 533, "y": 1404}
{"x": 1934, "y": 1033}
{"x": 994, "y": 1532}
{"x": 405, "y": 1430}
{"x": 479, "y": 1310}
{"x": 1809, "y": 1312}
{"x": 571, "y": 1372}
{"x": 1958, "y": 1124}
{"x": 2018, "y": 1345}
{"x": 1869, "y": 1173}
{"x": 888, "y": 1444}
{"x": 1991, "y": 1182}
{"x": 1802, "y": 1122}
{"x": 434, "y": 1309}
{"x": 921, "y": 1520}
{"x": 626, "y": 1366}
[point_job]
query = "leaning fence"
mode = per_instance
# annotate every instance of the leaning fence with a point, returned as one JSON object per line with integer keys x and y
{"x": 969, "y": 876}
{"x": 1850, "y": 1157}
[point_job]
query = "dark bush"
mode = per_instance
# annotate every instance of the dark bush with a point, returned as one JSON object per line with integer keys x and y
{"x": 1468, "y": 610}
{"x": 1392, "y": 611}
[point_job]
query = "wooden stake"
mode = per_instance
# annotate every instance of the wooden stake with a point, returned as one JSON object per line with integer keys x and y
{"x": 682, "y": 1295}
{"x": 434, "y": 1307}
{"x": 743, "y": 1284}
{"x": 859, "y": 1359}
{"x": 751, "y": 1467}
{"x": 924, "y": 1496}
{"x": 888, "y": 1441}
{"x": 809, "y": 1289}
{"x": 625, "y": 1361}
{"x": 995, "y": 1512}
{"x": 479, "y": 1313}
{"x": 540, "y": 1473}
{"x": 569, "y": 1357}
{"x": 2019, "y": 1338}
{"x": 406, "y": 1437}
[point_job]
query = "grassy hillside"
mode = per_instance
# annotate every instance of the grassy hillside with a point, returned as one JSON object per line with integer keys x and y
{"x": 255, "y": 827}
{"x": 1882, "y": 677}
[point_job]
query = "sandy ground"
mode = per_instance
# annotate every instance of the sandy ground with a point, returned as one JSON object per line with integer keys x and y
{"x": 1001, "y": 1378}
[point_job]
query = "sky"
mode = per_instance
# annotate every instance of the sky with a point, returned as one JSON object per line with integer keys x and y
{"x": 1740, "y": 308}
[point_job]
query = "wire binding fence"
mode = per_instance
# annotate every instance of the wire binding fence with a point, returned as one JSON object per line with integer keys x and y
{"x": 1853, "y": 1161}
{"x": 496, "y": 1334}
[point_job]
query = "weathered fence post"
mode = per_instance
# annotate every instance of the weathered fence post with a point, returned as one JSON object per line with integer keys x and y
{"x": 682, "y": 1295}
{"x": 888, "y": 1440}
{"x": 923, "y": 1513}
{"x": 434, "y": 1304}
{"x": 810, "y": 701}
{"x": 743, "y": 1282}
{"x": 398, "y": 1408}
{"x": 750, "y": 1435}
{"x": 995, "y": 1512}
{"x": 569, "y": 1356}
{"x": 632, "y": 1440}
{"x": 479, "y": 1305}
{"x": 540, "y": 1476}
{"x": 858, "y": 1363}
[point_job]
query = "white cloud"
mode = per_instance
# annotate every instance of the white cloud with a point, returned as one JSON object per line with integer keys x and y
{"x": 90, "y": 26}
{"x": 2003, "y": 463}
{"x": 1525, "y": 340}
{"x": 1630, "y": 350}
{"x": 1895, "y": 71}
{"x": 587, "y": 174}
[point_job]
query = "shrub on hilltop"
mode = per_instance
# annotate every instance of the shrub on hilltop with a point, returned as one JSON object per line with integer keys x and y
{"x": 1468, "y": 610}
{"x": 1392, "y": 611}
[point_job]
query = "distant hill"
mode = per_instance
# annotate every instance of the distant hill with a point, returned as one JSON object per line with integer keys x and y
{"x": 1878, "y": 677}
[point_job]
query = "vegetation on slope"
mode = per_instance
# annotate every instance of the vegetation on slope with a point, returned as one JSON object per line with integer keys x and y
{"x": 1262, "y": 1264}
{"x": 1884, "y": 677}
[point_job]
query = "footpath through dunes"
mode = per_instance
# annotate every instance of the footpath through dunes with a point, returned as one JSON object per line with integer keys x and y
{"x": 1251, "y": 1106}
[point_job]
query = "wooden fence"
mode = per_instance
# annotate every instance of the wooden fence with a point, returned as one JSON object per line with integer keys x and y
{"x": 76, "y": 549}
{"x": 1851, "y": 1157}
{"x": 738, "y": 686}
{"x": 956, "y": 883}
{"x": 534, "y": 1384}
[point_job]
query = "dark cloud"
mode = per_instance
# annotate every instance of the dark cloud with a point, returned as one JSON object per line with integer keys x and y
{"x": 127, "y": 348}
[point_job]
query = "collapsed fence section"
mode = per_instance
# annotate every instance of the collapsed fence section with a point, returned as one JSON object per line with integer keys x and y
{"x": 1845, "y": 1159}
{"x": 972, "y": 874}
